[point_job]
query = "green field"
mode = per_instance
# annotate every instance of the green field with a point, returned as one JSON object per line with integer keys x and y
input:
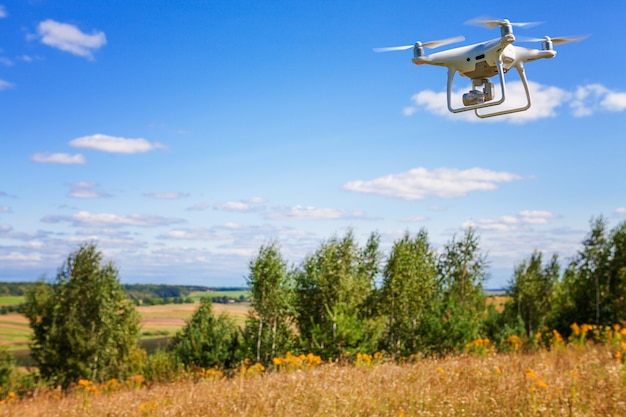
{"x": 197, "y": 295}
{"x": 11, "y": 300}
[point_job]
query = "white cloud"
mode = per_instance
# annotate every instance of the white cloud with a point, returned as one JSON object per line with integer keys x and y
{"x": 114, "y": 144}
{"x": 519, "y": 222}
{"x": 4, "y": 85}
{"x": 190, "y": 234}
{"x": 420, "y": 183}
{"x": 5, "y": 209}
{"x": 536, "y": 216}
{"x": 199, "y": 207}
{"x": 3, "y": 12}
{"x": 6, "y": 62}
{"x": 87, "y": 219}
{"x": 244, "y": 206}
{"x": 545, "y": 101}
{"x": 620, "y": 211}
{"x": 311, "y": 213}
{"x": 172, "y": 195}
{"x": 591, "y": 98}
{"x": 58, "y": 158}
{"x": 85, "y": 190}
{"x": 69, "y": 38}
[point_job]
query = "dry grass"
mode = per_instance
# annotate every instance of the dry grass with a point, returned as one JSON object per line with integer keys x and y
{"x": 569, "y": 381}
{"x": 498, "y": 301}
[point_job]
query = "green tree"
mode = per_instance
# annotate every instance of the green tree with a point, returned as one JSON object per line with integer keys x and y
{"x": 268, "y": 328}
{"x": 593, "y": 287}
{"x": 531, "y": 292}
{"x": 462, "y": 271}
{"x": 408, "y": 294}
{"x": 207, "y": 341}
{"x": 334, "y": 287}
{"x": 83, "y": 324}
{"x": 617, "y": 274}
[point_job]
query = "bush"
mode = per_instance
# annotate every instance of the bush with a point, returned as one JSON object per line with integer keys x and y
{"x": 207, "y": 341}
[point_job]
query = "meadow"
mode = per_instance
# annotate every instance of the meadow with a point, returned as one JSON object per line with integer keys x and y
{"x": 156, "y": 320}
{"x": 567, "y": 380}
{"x": 158, "y": 324}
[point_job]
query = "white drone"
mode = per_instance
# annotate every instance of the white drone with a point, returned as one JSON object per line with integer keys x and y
{"x": 484, "y": 60}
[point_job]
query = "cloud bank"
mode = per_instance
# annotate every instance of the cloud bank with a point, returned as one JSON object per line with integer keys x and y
{"x": 312, "y": 213}
{"x": 519, "y": 222}
{"x": 96, "y": 220}
{"x": 545, "y": 102}
{"x": 421, "y": 183}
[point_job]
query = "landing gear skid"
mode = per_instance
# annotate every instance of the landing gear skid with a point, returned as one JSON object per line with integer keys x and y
{"x": 483, "y": 99}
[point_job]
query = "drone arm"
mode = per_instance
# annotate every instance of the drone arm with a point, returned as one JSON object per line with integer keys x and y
{"x": 520, "y": 70}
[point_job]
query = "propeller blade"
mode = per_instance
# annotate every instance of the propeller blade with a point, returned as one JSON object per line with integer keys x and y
{"x": 430, "y": 44}
{"x": 568, "y": 39}
{"x": 493, "y": 23}
{"x": 436, "y": 44}
{"x": 555, "y": 41}
{"x": 393, "y": 48}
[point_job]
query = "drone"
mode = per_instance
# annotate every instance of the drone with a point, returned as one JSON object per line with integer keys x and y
{"x": 481, "y": 61}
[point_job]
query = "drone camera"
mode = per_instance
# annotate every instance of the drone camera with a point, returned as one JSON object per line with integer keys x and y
{"x": 476, "y": 96}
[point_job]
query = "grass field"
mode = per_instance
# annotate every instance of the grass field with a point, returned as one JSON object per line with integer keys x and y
{"x": 568, "y": 381}
{"x": 498, "y": 301}
{"x": 11, "y": 300}
{"x": 14, "y": 330}
{"x": 197, "y": 295}
{"x": 156, "y": 321}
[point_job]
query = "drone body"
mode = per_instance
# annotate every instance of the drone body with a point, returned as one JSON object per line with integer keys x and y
{"x": 481, "y": 61}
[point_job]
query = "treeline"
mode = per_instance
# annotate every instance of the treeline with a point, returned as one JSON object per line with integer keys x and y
{"x": 140, "y": 294}
{"x": 428, "y": 302}
{"x": 140, "y": 291}
{"x": 14, "y": 288}
{"x": 342, "y": 300}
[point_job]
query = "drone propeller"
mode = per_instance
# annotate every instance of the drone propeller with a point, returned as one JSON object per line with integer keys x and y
{"x": 556, "y": 41}
{"x": 430, "y": 44}
{"x": 493, "y": 23}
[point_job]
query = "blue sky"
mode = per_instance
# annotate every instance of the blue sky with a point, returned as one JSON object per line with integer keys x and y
{"x": 181, "y": 136}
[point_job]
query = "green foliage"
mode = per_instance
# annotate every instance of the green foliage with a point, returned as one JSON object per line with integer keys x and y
{"x": 531, "y": 293}
{"x": 83, "y": 325}
{"x": 268, "y": 331}
{"x": 8, "y": 372}
{"x": 462, "y": 271}
{"x": 593, "y": 287}
{"x": 161, "y": 366}
{"x": 335, "y": 292}
{"x": 408, "y": 295}
{"x": 207, "y": 341}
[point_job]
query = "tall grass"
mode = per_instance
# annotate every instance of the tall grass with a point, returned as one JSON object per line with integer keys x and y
{"x": 571, "y": 380}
